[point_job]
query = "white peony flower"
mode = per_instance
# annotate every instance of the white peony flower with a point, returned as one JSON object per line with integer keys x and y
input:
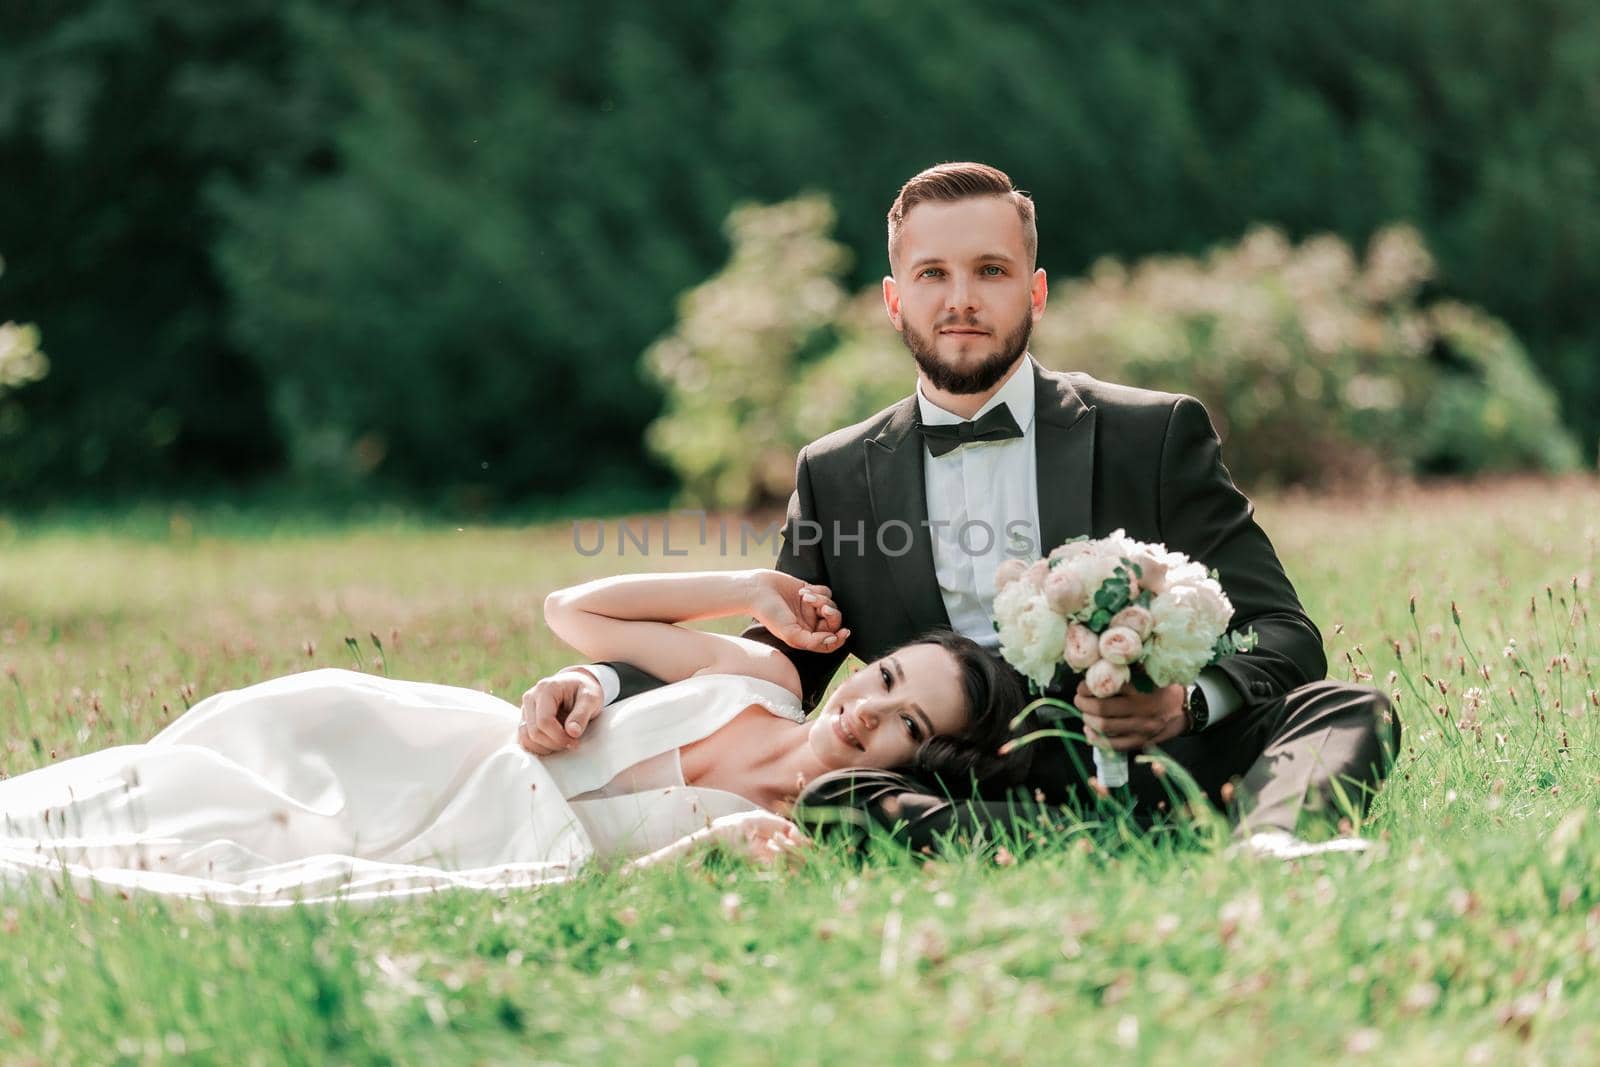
{"x": 1031, "y": 637}
{"x": 1187, "y": 620}
{"x": 1013, "y": 598}
{"x": 1091, "y": 571}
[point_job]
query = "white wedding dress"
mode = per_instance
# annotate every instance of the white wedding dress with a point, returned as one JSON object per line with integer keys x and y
{"x": 334, "y": 784}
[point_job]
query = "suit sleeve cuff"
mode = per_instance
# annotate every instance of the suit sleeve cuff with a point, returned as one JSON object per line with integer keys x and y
{"x": 1222, "y": 699}
{"x": 610, "y": 682}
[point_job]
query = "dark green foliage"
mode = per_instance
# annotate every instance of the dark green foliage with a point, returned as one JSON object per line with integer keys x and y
{"x": 427, "y": 242}
{"x": 113, "y": 115}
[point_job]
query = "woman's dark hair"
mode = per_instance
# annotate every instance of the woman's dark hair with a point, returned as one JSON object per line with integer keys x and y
{"x": 993, "y": 694}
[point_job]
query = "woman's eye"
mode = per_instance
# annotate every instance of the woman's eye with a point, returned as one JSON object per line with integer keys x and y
{"x": 888, "y": 682}
{"x": 911, "y": 728}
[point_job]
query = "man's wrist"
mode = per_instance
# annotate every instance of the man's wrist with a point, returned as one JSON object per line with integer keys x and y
{"x": 609, "y": 681}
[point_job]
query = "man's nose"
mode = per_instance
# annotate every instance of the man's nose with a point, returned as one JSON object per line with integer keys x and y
{"x": 963, "y": 296}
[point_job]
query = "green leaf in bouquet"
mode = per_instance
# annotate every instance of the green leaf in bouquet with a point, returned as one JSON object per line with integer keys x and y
{"x": 1230, "y": 643}
{"x": 1100, "y": 620}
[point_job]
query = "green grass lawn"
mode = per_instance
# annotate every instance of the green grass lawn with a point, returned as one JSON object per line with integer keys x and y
{"x": 1471, "y": 935}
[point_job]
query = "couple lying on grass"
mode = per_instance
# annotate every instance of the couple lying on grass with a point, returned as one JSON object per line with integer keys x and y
{"x": 334, "y": 784}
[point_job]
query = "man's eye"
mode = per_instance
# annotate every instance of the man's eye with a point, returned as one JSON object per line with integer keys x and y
{"x": 993, "y": 271}
{"x": 931, "y": 272}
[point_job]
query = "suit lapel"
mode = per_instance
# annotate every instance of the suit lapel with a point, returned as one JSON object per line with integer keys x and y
{"x": 1063, "y": 459}
{"x": 898, "y": 493}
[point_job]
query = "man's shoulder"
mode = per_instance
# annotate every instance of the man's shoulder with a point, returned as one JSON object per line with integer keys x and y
{"x": 1112, "y": 397}
{"x": 846, "y": 441}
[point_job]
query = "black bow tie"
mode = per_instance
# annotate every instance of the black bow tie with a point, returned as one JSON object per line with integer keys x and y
{"x": 996, "y": 425}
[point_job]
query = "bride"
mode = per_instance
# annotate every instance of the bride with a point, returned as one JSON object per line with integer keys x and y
{"x": 335, "y": 784}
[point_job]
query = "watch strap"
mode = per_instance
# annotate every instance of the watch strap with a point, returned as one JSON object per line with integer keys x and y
{"x": 1196, "y": 709}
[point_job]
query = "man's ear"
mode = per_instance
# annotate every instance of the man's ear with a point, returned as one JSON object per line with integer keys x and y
{"x": 891, "y": 299}
{"x": 1038, "y": 293}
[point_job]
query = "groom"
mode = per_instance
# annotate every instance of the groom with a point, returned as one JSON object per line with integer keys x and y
{"x": 906, "y": 516}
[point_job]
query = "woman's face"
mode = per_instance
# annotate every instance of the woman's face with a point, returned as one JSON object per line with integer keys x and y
{"x": 881, "y": 715}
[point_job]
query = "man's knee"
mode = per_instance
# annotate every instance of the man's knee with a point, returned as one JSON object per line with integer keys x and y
{"x": 1350, "y": 703}
{"x": 1386, "y": 721}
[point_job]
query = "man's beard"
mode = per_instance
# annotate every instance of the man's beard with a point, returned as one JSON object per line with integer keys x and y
{"x": 977, "y": 379}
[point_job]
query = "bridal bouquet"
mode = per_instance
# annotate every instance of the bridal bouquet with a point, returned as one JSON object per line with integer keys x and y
{"x": 1118, "y": 611}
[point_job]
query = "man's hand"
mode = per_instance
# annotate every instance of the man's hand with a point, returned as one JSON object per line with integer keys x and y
{"x": 1132, "y": 720}
{"x": 801, "y": 615}
{"x": 556, "y": 711}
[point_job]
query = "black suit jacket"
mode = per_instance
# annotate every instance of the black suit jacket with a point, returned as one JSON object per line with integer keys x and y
{"x": 1108, "y": 457}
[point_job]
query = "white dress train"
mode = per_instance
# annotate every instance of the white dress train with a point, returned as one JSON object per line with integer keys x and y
{"x": 335, "y": 784}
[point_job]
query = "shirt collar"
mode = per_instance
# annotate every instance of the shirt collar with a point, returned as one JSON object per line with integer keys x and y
{"x": 1017, "y": 394}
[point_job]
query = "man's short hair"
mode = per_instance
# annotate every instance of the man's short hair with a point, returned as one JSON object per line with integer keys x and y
{"x": 950, "y": 182}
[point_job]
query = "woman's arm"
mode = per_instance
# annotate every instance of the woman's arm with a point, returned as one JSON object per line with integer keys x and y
{"x": 756, "y": 835}
{"x": 633, "y": 617}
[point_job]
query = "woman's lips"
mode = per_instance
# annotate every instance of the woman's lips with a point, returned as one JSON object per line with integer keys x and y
{"x": 843, "y": 734}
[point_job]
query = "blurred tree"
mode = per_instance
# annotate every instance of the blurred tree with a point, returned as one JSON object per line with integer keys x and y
{"x": 113, "y": 116}
{"x": 442, "y": 231}
{"x": 520, "y": 196}
{"x": 489, "y": 140}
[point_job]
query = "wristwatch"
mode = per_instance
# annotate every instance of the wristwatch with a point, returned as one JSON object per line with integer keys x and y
{"x": 1196, "y": 710}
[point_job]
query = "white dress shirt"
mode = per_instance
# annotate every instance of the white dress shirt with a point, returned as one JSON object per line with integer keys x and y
{"x": 983, "y": 505}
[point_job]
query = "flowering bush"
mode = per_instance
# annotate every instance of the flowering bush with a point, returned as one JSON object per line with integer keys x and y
{"x": 1318, "y": 368}
{"x": 21, "y": 361}
{"x": 729, "y": 367}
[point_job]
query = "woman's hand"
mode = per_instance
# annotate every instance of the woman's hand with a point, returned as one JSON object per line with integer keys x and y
{"x": 801, "y": 615}
{"x": 758, "y": 835}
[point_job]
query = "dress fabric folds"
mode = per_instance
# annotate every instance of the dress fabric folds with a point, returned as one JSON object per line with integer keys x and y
{"x": 338, "y": 785}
